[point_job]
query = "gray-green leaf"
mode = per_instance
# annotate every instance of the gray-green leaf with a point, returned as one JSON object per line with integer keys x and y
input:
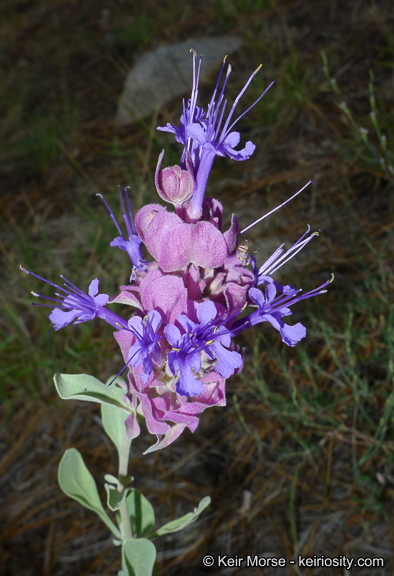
{"x": 138, "y": 557}
{"x": 77, "y": 482}
{"x": 115, "y": 498}
{"x": 181, "y": 523}
{"x": 141, "y": 514}
{"x": 85, "y": 387}
{"x": 114, "y": 424}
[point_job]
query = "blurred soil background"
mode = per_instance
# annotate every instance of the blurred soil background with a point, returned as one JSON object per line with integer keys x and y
{"x": 301, "y": 459}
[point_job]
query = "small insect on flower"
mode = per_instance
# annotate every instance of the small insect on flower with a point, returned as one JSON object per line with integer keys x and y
{"x": 244, "y": 253}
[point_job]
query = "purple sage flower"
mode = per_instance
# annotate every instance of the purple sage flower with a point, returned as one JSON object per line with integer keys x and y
{"x": 204, "y": 135}
{"x": 272, "y": 307}
{"x": 213, "y": 337}
{"x": 183, "y": 359}
{"x": 146, "y": 346}
{"x": 187, "y": 300}
{"x": 76, "y": 306}
{"x": 132, "y": 243}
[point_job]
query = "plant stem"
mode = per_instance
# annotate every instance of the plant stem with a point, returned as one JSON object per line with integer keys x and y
{"x": 122, "y": 479}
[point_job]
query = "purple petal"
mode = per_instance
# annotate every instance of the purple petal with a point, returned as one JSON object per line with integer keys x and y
{"x": 291, "y": 335}
{"x": 136, "y": 323}
{"x": 232, "y": 140}
{"x": 93, "y": 288}
{"x": 206, "y": 312}
{"x": 228, "y": 360}
{"x": 101, "y": 299}
{"x": 188, "y": 385}
{"x": 257, "y": 296}
{"x": 197, "y": 132}
{"x": 240, "y": 155}
{"x": 60, "y": 318}
{"x": 154, "y": 319}
{"x": 135, "y": 354}
{"x": 172, "y": 334}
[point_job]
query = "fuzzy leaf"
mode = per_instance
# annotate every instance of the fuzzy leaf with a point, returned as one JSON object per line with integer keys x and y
{"x": 114, "y": 424}
{"x": 77, "y": 482}
{"x": 141, "y": 514}
{"x": 85, "y": 387}
{"x": 115, "y": 498}
{"x": 111, "y": 479}
{"x": 181, "y": 523}
{"x": 138, "y": 557}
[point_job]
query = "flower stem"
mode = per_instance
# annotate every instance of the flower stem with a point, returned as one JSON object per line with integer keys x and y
{"x": 122, "y": 479}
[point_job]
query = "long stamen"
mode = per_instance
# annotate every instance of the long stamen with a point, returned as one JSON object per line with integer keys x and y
{"x": 220, "y": 119}
{"x": 247, "y": 110}
{"x": 124, "y": 367}
{"x": 271, "y": 259}
{"x": 290, "y": 254}
{"x": 211, "y": 105}
{"x": 44, "y": 280}
{"x": 125, "y": 217}
{"x": 46, "y": 298}
{"x": 225, "y": 127}
{"x": 229, "y": 69}
{"x": 286, "y": 300}
{"x": 275, "y": 209}
{"x": 278, "y": 259}
{"x": 133, "y": 229}
{"x": 72, "y": 286}
{"x": 111, "y": 214}
{"x": 193, "y": 99}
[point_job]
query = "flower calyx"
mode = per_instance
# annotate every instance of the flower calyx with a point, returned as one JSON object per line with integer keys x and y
{"x": 173, "y": 184}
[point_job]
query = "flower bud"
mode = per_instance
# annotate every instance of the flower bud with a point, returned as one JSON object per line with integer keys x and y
{"x": 174, "y": 184}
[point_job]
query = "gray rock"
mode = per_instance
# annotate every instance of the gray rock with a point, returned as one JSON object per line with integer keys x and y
{"x": 166, "y": 72}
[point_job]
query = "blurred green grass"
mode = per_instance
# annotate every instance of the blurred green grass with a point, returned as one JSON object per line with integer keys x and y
{"x": 63, "y": 67}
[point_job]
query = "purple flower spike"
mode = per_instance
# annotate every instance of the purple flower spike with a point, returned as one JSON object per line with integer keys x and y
{"x": 76, "y": 306}
{"x": 146, "y": 347}
{"x": 203, "y": 135}
{"x": 190, "y": 296}
{"x": 131, "y": 244}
